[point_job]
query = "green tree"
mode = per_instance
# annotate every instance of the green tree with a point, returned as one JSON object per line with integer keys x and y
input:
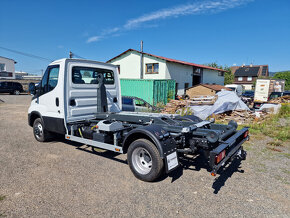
{"x": 284, "y": 75}
{"x": 229, "y": 77}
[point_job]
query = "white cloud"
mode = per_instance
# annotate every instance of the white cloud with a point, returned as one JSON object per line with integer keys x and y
{"x": 210, "y": 6}
{"x": 94, "y": 39}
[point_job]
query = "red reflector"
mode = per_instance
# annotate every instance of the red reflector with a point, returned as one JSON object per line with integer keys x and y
{"x": 220, "y": 156}
{"x": 246, "y": 134}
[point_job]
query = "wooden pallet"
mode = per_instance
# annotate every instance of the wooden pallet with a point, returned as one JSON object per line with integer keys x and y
{"x": 203, "y": 100}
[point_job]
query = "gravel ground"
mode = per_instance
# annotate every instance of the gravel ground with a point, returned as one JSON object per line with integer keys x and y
{"x": 60, "y": 179}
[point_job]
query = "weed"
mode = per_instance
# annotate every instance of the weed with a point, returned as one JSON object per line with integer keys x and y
{"x": 275, "y": 143}
{"x": 274, "y": 149}
{"x": 2, "y": 197}
{"x": 185, "y": 111}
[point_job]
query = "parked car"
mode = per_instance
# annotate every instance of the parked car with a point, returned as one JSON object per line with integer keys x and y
{"x": 11, "y": 87}
{"x": 136, "y": 104}
{"x": 248, "y": 94}
{"x": 238, "y": 89}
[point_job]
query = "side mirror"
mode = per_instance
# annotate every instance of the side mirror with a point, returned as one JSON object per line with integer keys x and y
{"x": 32, "y": 88}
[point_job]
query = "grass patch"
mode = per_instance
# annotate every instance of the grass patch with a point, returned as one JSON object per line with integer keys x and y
{"x": 272, "y": 127}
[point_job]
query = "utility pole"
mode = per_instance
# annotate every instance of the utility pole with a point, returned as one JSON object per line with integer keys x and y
{"x": 141, "y": 61}
{"x": 70, "y": 54}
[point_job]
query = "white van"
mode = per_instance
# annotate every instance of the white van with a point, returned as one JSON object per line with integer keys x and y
{"x": 238, "y": 89}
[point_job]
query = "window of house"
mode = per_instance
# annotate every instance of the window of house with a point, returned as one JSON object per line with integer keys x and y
{"x": 2, "y": 67}
{"x": 221, "y": 73}
{"x": 88, "y": 75}
{"x": 249, "y": 78}
{"x": 264, "y": 71}
{"x": 152, "y": 68}
{"x": 240, "y": 78}
{"x": 197, "y": 71}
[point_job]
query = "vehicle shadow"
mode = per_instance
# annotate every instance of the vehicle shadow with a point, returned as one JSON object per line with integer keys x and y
{"x": 101, "y": 153}
{"x": 194, "y": 163}
{"x": 199, "y": 162}
{"x": 225, "y": 174}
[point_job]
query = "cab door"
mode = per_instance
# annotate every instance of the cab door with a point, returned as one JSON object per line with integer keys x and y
{"x": 47, "y": 100}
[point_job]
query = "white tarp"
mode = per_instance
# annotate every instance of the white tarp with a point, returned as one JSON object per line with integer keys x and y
{"x": 227, "y": 101}
{"x": 272, "y": 108}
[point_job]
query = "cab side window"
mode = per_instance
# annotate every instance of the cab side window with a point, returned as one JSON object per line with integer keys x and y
{"x": 49, "y": 79}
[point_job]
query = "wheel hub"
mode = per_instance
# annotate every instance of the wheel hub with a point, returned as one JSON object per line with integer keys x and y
{"x": 38, "y": 130}
{"x": 142, "y": 160}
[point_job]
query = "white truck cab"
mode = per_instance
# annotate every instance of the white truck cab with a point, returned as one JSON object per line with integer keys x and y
{"x": 67, "y": 93}
{"x": 81, "y": 100}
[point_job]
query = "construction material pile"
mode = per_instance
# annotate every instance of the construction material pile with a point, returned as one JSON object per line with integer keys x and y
{"x": 280, "y": 100}
{"x": 241, "y": 116}
{"x": 203, "y": 100}
{"x": 174, "y": 105}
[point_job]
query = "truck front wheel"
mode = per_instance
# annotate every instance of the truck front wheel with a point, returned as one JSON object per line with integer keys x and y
{"x": 39, "y": 132}
{"x": 144, "y": 160}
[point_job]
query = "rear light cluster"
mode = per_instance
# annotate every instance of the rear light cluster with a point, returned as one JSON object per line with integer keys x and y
{"x": 246, "y": 134}
{"x": 220, "y": 156}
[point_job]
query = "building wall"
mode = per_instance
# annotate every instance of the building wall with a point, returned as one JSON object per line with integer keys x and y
{"x": 199, "y": 90}
{"x": 9, "y": 66}
{"x": 211, "y": 77}
{"x": 181, "y": 74}
{"x": 130, "y": 66}
{"x": 152, "y": 60}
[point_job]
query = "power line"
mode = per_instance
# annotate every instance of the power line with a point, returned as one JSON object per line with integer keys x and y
{"x": 26, "y": 54}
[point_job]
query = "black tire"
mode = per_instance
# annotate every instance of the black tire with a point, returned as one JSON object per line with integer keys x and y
{"x": 141, "y": 154}
{"x": 39, "y": 132}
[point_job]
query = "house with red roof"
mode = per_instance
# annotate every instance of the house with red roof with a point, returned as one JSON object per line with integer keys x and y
{"x": 185, "y": 74}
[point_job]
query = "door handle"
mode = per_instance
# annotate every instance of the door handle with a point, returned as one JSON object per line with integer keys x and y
{"x": 57, "y": 102}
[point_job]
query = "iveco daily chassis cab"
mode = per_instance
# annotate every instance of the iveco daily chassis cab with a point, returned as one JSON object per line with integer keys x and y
{"x": 81, "y": 100}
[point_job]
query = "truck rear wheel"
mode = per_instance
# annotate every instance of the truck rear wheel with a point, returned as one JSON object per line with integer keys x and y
{"x": 144, "y": 160}
{"x": 39, "y": 132}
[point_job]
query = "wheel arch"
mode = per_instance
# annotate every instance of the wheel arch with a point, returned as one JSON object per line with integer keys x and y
{"x": 145, "y": 133}
{"x": 33, "y": 116}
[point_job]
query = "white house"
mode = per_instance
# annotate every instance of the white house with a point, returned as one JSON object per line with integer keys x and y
{"x": 156, "y": 67}
{"x": 7, "y": 68}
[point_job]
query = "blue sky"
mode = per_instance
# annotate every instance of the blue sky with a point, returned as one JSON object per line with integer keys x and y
{"x": 224, "y": 31}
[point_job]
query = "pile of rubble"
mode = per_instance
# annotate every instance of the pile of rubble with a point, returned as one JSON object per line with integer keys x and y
{"x": 174, "y": 105}
{"x": 279, "y": 100}
{"x": 203, "y": 100}
{"x": 241, "y": 117}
